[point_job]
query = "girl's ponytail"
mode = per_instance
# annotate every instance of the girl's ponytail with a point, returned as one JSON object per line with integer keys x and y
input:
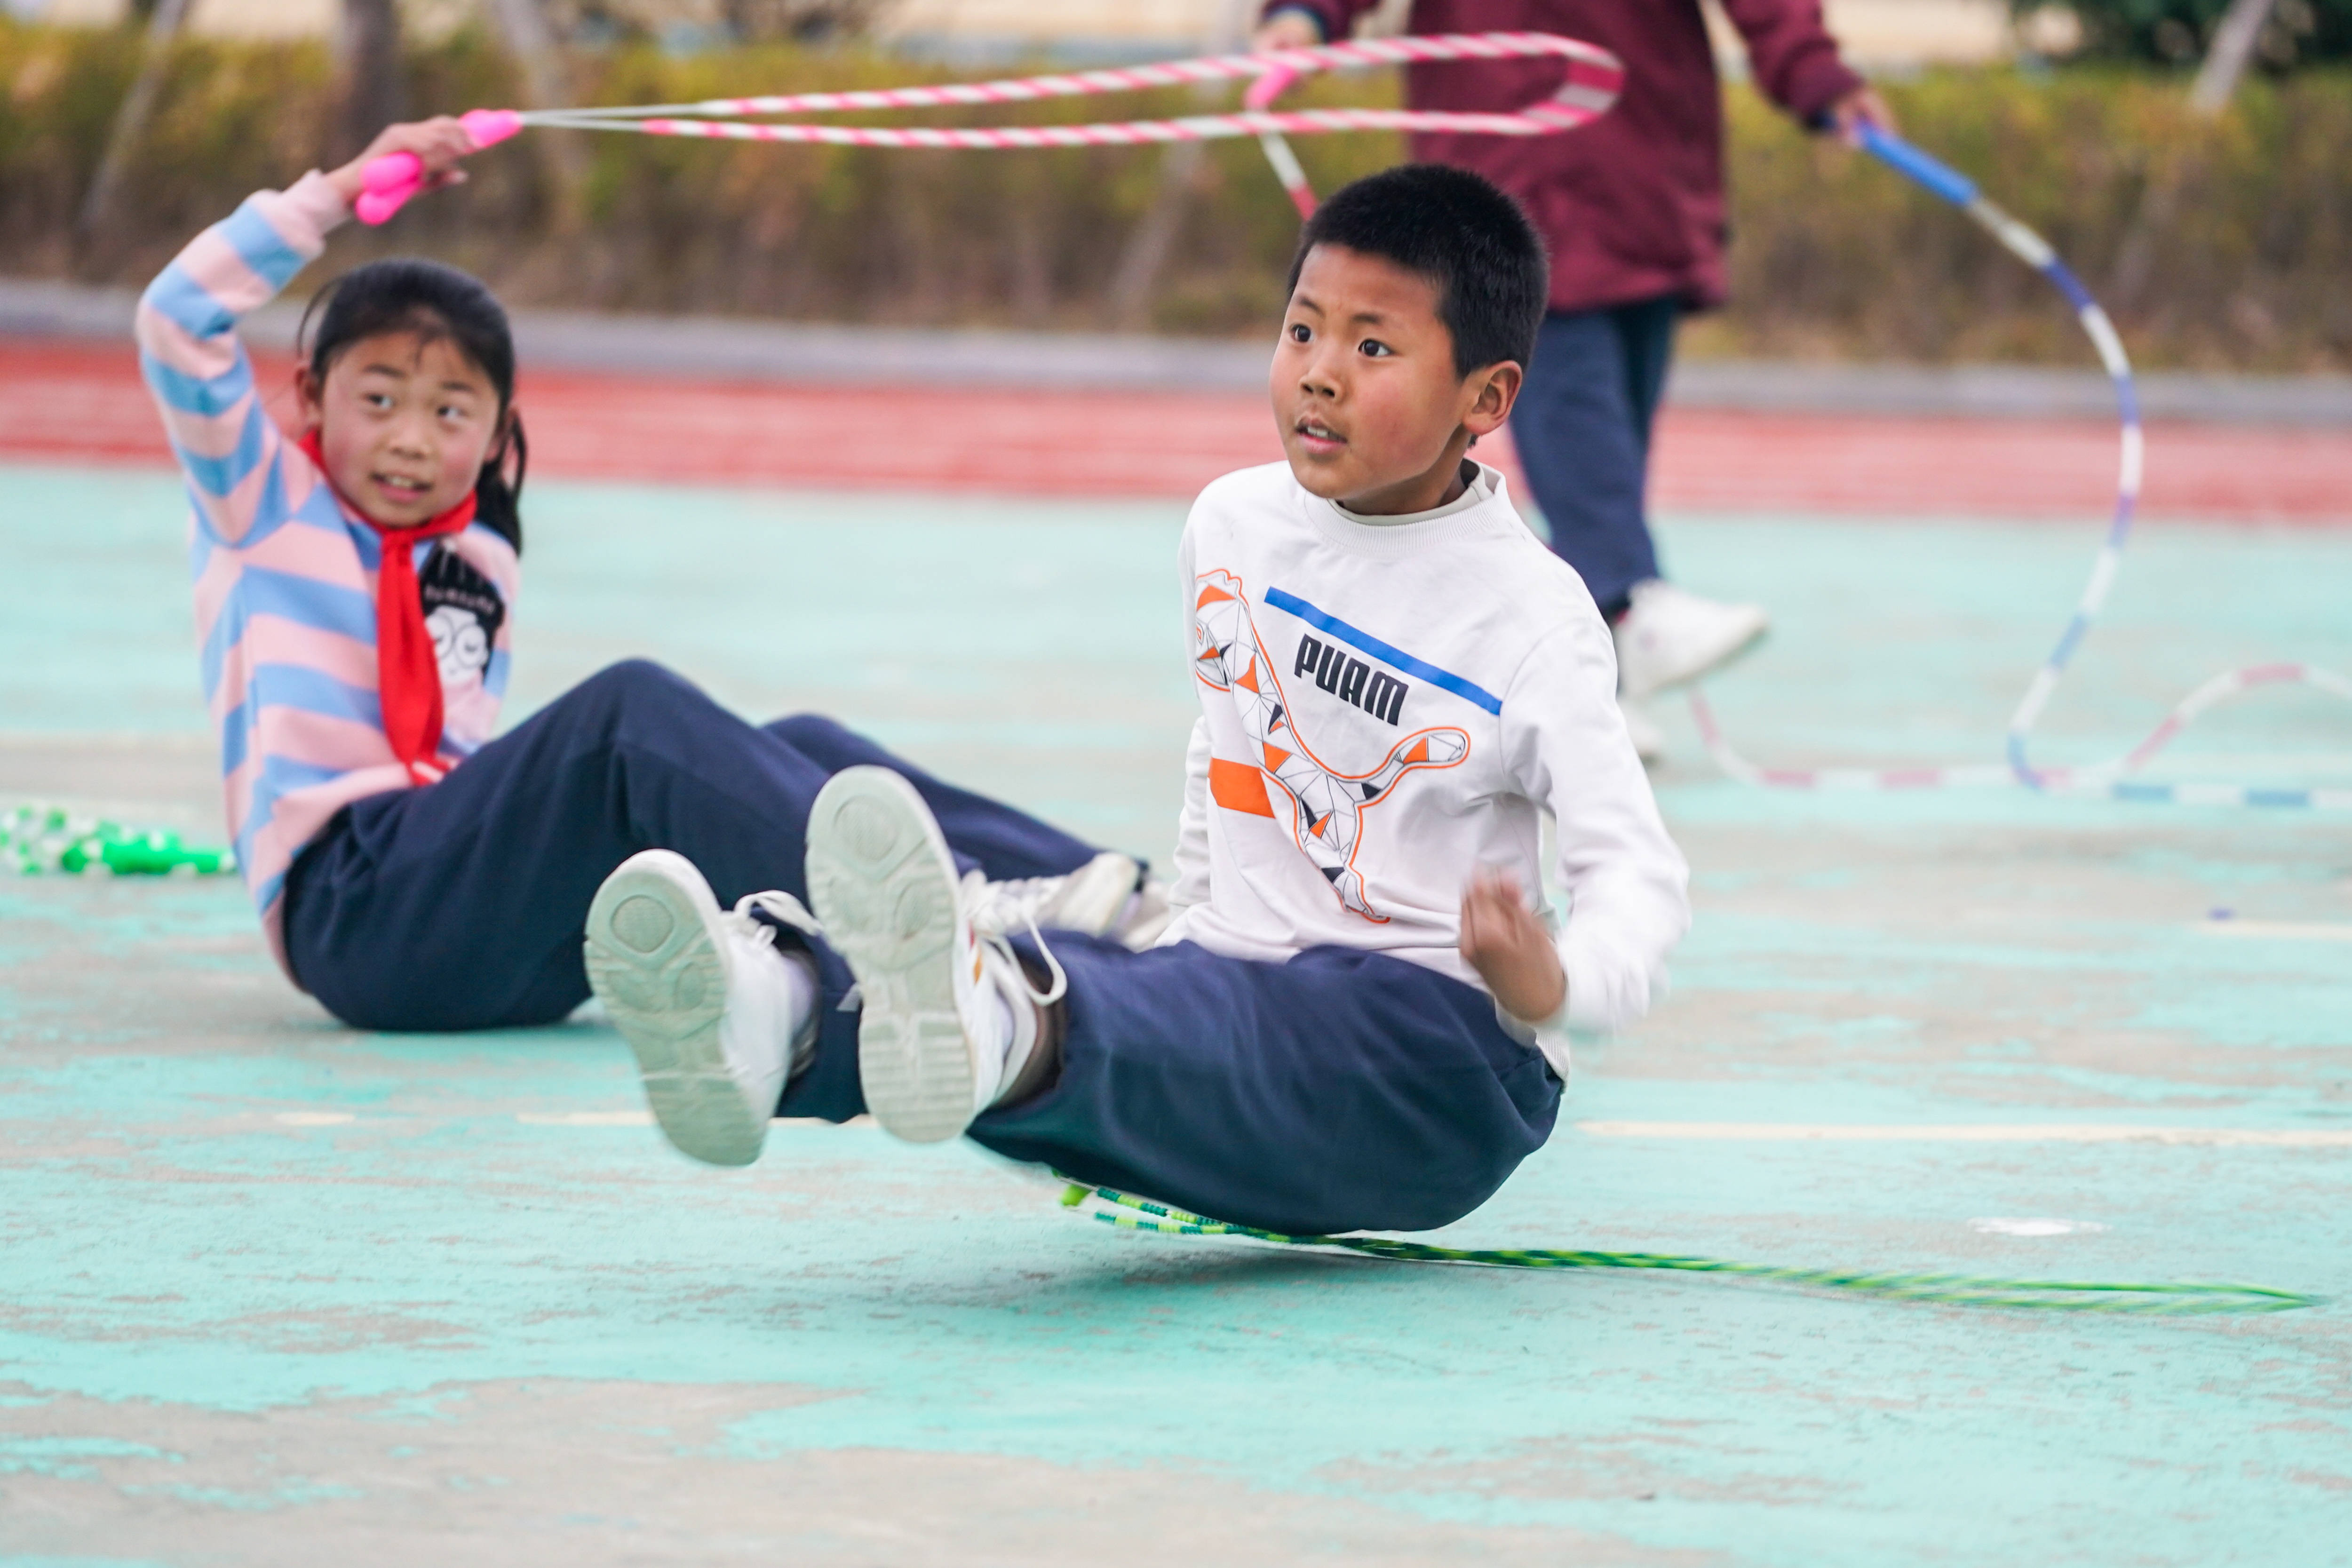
{"x": 497, "y": 499}
{"x": 408, "y": 294}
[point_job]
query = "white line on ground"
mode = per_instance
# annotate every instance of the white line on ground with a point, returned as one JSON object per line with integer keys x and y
{"x": 2278, "y": 931}
{"x": 104, "y": 740}
{"x": 1971, "y": 1133}
{"x": 646, "y": 1119}
{"x": 585, "y": 1118}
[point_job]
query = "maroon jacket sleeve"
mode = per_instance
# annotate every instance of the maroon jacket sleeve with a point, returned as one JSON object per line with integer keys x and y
{"x": 1794, "y": 58}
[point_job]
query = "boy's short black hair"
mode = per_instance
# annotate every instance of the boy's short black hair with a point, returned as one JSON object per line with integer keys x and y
{"x": 1462, "y": 234}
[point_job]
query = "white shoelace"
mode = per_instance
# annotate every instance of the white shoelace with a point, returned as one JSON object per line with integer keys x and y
{"x": 976, "y": 898}
{"x": 998, "y": 907}
{"x": 785, "y": 908}
{"x": 1019, "y": 899}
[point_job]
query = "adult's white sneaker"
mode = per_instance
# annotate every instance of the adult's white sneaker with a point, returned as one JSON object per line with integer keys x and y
{"x": 1642, "y": 729}
{"x": 1668, "y": 638}
{"x": 715, "y": 1016}
{"x": 948, "y": 1018}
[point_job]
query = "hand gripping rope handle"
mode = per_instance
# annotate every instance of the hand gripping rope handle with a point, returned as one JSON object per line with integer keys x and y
{"x": 388, "y": 182}
{"x": 2115, "y": 778}
{"x": 2193, "y": 1298}
{"x": 1591, "y": 84}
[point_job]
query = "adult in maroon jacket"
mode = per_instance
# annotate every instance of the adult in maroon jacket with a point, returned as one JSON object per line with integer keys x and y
{"x": 1631, "y": 208}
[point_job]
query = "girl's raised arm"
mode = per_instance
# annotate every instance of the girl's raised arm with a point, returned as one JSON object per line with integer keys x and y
{"x": 227, "y": 443}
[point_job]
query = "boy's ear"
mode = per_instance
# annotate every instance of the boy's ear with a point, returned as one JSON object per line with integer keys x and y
{"x": 1493, "y": 391}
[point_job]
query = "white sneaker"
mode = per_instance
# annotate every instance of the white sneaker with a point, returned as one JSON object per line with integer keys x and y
{"x": 947, "y": 1018}
{"x": 1649, "y": 740}
{"x": 1109, "y": 896}
{"x": 1090, "y": 898}
{"x": 1148, "y": 914}
{"x": 715, "y": 1016}
{"x": 1669, "y": 636}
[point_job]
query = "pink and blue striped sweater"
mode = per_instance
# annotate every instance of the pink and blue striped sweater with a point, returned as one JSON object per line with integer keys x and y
{"x": 285, "y": 573}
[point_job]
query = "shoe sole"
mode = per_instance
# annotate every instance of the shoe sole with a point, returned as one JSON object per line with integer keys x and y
{"x": 1714, "y": 659}
{"x": 883, "y": 885}
{"x": 662, "y": 978}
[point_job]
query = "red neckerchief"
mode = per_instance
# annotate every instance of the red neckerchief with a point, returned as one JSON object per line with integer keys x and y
{"x": 408, "y": 674}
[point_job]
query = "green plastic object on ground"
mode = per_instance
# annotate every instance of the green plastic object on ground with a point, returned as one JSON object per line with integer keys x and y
{"x": 1128, "y": 1212}
{"x": 48, "y": 840}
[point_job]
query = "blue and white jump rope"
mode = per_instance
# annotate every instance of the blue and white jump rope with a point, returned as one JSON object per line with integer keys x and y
{"x": 2117, "y": 778}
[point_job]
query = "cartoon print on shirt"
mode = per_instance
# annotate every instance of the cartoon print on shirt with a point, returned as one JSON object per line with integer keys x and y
{"x": 463, "y": 611}
{"x": 1327, "y": 807}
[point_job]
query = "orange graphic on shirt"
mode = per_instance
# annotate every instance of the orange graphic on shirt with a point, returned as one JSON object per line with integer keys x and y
{"x": 1327, "y": 807}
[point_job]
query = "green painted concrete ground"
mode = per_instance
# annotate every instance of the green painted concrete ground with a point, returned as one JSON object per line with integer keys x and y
{"x": 273, "y": 1293}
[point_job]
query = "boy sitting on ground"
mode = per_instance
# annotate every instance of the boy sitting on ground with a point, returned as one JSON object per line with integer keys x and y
{"x": 1356, "y": 1019}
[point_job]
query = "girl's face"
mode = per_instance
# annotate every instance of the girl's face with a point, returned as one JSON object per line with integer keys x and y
{"x": 405, "y": 423}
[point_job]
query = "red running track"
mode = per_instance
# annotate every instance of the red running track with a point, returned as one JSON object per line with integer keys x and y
{"x": 82, "y": 401}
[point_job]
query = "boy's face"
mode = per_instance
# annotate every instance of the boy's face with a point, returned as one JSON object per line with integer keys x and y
{"x": 1371, "y": 412}
{"x": 405, "y": 423}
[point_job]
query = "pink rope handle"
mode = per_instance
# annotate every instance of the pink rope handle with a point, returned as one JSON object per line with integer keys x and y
{"x": 388, "y": 182}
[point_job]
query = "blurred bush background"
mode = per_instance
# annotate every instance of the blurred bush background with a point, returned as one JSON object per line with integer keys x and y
{"x": 2178, "y": 32}
{"x": 2221, "y": 242}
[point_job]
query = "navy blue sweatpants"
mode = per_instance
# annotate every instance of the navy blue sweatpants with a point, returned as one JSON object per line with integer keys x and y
{"x": 1582, "y": 428}
{"x": 1341, "y": 1091}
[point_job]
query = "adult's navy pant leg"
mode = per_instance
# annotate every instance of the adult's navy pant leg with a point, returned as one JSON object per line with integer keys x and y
{"x": 460, "y": 906}
{"x": 1582, "y": 426}
{"x": 1003, "y": 842}
{"x": 1342, "y": 1090}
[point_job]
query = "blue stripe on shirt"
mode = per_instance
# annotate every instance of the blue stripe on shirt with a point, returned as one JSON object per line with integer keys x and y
{"x": 1469, "y": 690}
{"x": 178, "y": 298}
{"x": 309, "y": 690}
{"x": 202, "y": 394}
{"x": 219, "y": 476}
{"x": 236, "y": 735}
{"x": 261, "y": 246}
{"x": 304, "y": 601}
{"x": 281, "y": 776}
{"x": 296, "y": 686}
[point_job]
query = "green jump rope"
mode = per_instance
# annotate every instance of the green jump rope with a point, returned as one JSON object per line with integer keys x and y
{"x": 46, "y": 840}
{"x": 2176, "y": 1299}
{"x": 38, "y": 840}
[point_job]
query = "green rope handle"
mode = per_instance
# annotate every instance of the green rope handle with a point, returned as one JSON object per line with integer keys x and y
{"x": 46, "y": 840}
{"x": 2174, "y": 1300}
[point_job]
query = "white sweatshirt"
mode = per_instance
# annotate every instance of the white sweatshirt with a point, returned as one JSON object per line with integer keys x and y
{"x": 1385, "y": 705}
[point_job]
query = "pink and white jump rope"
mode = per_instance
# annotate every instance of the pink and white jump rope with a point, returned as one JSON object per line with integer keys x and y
{"x": 1593, "y": 80}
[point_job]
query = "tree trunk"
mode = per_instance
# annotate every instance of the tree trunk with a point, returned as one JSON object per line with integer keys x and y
{"x": 2217, "y": 82}
{"x": 522, "y": 26}
{"x": 129, "y": 125}
{"x": 375, "y": 78}
{"x": 2225, "y": 58}
{"x": 1153, "y": 241}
